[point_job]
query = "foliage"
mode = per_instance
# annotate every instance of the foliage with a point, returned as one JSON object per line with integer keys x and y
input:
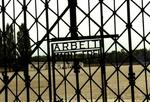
{"x": 12, "y": 52}
{"x": 10, "y": 45}
{"x": 7, "y": 48}
{"x": 113, "y": 57}
{"x": 39, "y": 59}
{"x": 23, "y": 46}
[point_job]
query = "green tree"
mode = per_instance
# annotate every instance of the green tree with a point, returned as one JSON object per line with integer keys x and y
{"x": 1, "y": 49}
{"x": 24, "y": 48}
{"x": 10, "y": 45}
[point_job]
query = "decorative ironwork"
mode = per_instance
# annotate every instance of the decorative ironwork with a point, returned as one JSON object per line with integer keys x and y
{"x": 74, "y": 50}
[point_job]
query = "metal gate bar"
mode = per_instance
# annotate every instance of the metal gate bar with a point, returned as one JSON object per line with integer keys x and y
{"x": 76, "y": 65}
{"x": 5, "y": 76}
{"x": 122, "y": 36}
{"x": 131, "y": 73}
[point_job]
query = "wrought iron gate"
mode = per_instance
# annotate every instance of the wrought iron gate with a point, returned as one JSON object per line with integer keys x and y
{"x": 74, "y": 50}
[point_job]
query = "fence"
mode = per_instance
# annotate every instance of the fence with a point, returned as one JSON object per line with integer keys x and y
{"x": 105, "y": 43}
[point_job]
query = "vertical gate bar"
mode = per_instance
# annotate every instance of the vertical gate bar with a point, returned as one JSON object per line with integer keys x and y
{"x": 26, "y": 58}
{"x": 77, "y": 85}
{"x": 89, "y": 21}
{"x": 58, "y": 25}
{"x": 145, "y": 52}
{"x": 77, "y": 67}
{"x": 53, "y": 71}
{"x": 131, "y": 73}
{"x": 48, "y": 51}
{"x": 102, "y": 62}
{"x": 65, "y": 82}
{"x": 15, "y": 60}
{"x": 5, "y": 60}
{"x": 116, "y": 54}
{"x": 89, "y": 61}
{"x": 74, "y": 35}
{"x": 73, "y": 19}
{"x": 38, "y": 52}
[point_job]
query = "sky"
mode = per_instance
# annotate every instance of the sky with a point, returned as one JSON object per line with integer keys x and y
{"x": 86, "y": 27}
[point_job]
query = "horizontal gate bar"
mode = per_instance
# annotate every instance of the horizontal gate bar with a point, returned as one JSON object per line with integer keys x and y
{"x": 82, "y": 38}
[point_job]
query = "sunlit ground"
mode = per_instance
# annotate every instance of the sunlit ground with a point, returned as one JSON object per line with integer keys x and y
{"x": 89, "y": 88}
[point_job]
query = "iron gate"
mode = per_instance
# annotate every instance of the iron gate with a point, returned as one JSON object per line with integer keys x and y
{"x": 74, "y": 50}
